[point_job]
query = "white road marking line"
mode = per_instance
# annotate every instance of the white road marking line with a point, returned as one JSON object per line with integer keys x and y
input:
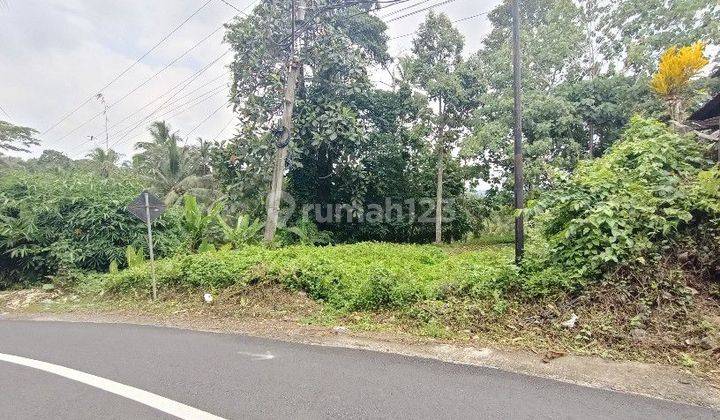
{"x": 155, "y": 401}
{"x": 257, "y": 356}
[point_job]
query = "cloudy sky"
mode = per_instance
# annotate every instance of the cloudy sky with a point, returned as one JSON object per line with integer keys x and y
{"x": 56, "y": 54}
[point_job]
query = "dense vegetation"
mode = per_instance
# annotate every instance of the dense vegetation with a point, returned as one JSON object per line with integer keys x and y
{"x": 351, "y": 277}
{"x": 610, "y": 191}
{"x": 651, "y": 194}
{"x": 53, "y": 222}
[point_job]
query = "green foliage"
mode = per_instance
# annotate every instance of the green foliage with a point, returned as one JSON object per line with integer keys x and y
{"x": 134, "y": 257}
{"x": 197, "y": 221}
{"x": 305, "y": 232}
{"x": 16, "y": 138}
{"x": 206, "y": 247}
{"x": 103, "y": 161}
{"x": 350, "y": 277}
{"x": 72, "y": 220}
{"x": 635, "y": 32}
{"x": 246, "y": 230}
{"x": 173, "y": 170}
{"x": 352, "y": 142}
{"x": 626, "y": 207}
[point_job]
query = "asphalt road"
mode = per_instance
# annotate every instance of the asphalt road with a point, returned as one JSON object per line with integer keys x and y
{"x": 235, "y": 376}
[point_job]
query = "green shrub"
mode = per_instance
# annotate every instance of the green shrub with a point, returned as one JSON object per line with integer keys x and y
{"x": 71, "y": 220}
{"x": 134, "y": 257}
{"x": 624, "y": 208}
{"x": 361, "y": 276}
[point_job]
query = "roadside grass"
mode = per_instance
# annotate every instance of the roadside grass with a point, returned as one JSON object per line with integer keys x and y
{"x": 604, "y": 327}
{"x": 459, "y": 293}
{"x": 364, "y": 276}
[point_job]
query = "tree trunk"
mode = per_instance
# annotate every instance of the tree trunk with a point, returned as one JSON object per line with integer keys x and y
{"x": 677, "y": 110}
{"x": 276, "y": 185}
{"x": 591, "y": 141}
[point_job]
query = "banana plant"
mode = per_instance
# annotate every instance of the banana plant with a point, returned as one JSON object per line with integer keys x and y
{"x": 197, "y": 221}
{"x": 246, "y": 231}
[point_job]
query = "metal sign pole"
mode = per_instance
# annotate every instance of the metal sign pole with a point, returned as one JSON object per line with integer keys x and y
{"x": 150, "y": 245}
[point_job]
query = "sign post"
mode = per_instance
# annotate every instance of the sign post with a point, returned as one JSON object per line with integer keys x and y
{"x": 147, "y": 207}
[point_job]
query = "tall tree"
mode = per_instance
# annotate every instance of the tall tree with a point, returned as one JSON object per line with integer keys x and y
{"x": 172, "y": 170}
{"x": 636, "y": 32}
{"x": 16, "y": 138}
{"x": 103, "y": 160}
{"x": 435, "y": 66}
{"x": 335, "y": 44}
{"x": 554, "y": 42}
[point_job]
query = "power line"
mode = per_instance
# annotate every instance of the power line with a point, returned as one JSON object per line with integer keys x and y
{"x": 185, "y": 82}
{"x": 130, "y": 67}
{"x": 165, "y": 94}
{"x": 192, "y": 103}
{"x": 350, "y": 30}
{"x": 217, "y": 136}
{"x": 442, "y": 3}
{"x": 187, "y": 136}
{"x": 454, "y": 21}
{"x": 133, "y": 128}
{"x": 228, "y": 102}
{"x": 242, "y": 11}
{"x": 5, "y": 112}
{"x": 234, "y": 7}
{"x": 192, "y": 78}
{"x": 143, "y": 83}
{"x": 412, "y": 6}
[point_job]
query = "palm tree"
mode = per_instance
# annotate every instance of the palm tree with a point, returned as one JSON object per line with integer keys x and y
{"x": 204, "y": 159}
{"x": 173, "y": 170}
{"x": 103, "y": 160}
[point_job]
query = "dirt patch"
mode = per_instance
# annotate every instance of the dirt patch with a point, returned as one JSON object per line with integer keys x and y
{"x": 23, "y": 299}
{"x": 273, "y": 312}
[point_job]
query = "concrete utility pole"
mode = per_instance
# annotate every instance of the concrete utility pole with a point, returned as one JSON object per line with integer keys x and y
{"x": 278, "y": 176}
{"x": 517, "y": 135}
{"x": 590, "y": 11}
{"x": 150, "y": 244}
{"x": 440, "y": 173}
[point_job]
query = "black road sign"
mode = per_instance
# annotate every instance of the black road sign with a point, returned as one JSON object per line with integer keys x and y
{"x": 137, "y": 207}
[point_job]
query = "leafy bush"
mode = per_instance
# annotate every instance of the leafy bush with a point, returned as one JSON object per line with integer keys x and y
{"x": 245, "y": 231}
{"x": 305, "y": 232}
{"x": 71, "y": 220}
{"x": 359, "y": 276}
{"x": 198, "y": 221}
{"x": 134, "y": 257}
{"x": 631, "y": 205}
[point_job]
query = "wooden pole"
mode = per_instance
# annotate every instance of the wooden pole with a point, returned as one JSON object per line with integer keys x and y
{"x": 278, "y": 176}
{"x": 150, "y": 245}
{"x": 517, "y": 136}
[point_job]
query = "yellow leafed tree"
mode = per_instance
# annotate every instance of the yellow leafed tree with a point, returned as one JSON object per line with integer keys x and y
{"x": 677, "y": 67}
